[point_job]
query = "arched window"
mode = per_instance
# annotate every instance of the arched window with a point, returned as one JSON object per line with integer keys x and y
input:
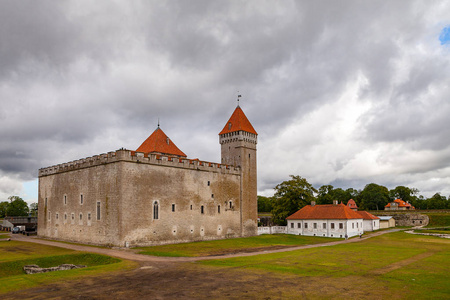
{"x": 155, "y": 210}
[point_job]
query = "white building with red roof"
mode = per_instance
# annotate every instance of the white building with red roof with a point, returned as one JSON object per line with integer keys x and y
{"x": 328, "y": 220}
{"x": 399, "y": 204}
{"x": 370, "y": 222}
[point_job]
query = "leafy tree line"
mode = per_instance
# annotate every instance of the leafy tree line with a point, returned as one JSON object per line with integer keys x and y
{"x": 16, "y": 207}
{"x": 291, "y": 195}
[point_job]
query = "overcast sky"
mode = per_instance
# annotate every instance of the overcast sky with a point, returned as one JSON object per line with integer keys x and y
{"x": 340, "y": 92}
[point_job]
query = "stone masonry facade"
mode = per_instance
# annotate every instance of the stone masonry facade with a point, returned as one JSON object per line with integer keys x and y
{"x": 129, "y": 198}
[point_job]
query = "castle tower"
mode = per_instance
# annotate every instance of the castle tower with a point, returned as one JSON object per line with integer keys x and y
{"x": 238, "y": 141}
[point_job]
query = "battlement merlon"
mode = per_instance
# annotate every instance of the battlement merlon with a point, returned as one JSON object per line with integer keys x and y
{"x": 241, "y": 136}
{"x": 139, "y": 157}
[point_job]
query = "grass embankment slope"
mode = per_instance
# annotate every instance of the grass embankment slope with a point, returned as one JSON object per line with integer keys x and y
{"x": 438, "y": 219}
{"x": 395, "y": 265}
{"x": 227, "y": 246}
{"x": 14, "y": 255}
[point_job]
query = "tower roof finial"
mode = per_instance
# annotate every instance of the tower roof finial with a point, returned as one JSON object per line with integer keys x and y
{"x": 239, "y": 96}
{"x": 158, "y": 122}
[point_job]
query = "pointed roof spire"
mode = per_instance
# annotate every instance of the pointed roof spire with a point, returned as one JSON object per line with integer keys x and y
{"x": 159, "y": 142}
{"x": 238, "y": 121}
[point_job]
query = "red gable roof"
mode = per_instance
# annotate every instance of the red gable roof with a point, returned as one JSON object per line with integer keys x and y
{"x": 160, "y": 143}
{"x": 352, "y": 204}
{"x": 325, "y": 211}
{"x": 401, "y": 203}
{"x": 238, "y": 121}
{"x": 367, "y": 216}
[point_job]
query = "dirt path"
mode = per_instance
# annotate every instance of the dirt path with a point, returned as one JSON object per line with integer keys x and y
{"x": 130, "y": 255}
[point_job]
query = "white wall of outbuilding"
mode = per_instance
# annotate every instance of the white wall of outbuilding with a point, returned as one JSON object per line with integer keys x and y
{"x": 326, "y": 227}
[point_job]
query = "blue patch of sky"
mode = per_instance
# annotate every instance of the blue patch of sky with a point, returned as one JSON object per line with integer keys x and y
{"x": 444, "y": 37}
{"x": 30, "y": 191}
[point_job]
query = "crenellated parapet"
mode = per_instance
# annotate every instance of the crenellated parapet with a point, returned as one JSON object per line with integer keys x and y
{"x": 238, "y": 136}
{"x": 139, "y": 157}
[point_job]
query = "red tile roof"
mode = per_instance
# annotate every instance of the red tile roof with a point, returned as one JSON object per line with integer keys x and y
{"x": 238, "y": 121}
{"x": 325, "y": 211}
{"x": 352, "y": 204}
{"x": 367, "y": 216}
{"x": 159, "y": 142}
{"x": 401, "y": 203}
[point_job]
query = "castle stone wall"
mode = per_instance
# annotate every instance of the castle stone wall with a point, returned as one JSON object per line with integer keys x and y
{"x": 126, "y": 184}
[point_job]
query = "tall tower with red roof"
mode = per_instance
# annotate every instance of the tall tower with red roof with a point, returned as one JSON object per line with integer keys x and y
{"x": 238, "y": 141}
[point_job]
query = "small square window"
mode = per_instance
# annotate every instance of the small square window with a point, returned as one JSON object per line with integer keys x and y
{"x": 191, "y": 206}
{"x": 292, "y": 225}
{"x": 89, "y": 216}
{"x": 81, "y": 217}
{"x": 212, "y": 195}
{"x": 57, "y": 216}
{"x": 341, "y": 225}
{"x": 173, "y": 207}
{"x": 209, "y": 183}
{"x": 324, "y": 225}
{"x": 299, "y": 225}
{"x": 202, "y": 209}
{"x": 218, "y": 209}
{"x": 306, "y": 225}
{"x": 332, "y": 225}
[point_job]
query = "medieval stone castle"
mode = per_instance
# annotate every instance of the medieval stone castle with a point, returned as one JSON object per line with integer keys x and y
{"x": 154, "y": 195}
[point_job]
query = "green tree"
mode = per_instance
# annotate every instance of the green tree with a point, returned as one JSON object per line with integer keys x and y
{"x": 264, "y": 204}
{"x": 419, "y": 202}
{"x": 437, "y": 202}
{"x": 404, "y": 193}
{"x": 33, "y": 209}
{"x": 17, "y": 207}
{"x": 290, "y": 196}
{"x": 327, "y": 193}
{"x": 3, "y": 208}
{"x": 374, "y": 197}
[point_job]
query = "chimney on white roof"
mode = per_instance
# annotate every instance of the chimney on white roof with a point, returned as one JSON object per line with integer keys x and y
{"x": 335, "y": 202}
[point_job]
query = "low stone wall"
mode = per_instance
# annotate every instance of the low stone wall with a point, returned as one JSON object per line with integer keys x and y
{"x": 411, "y": 219}
{"x": 272, "y": 230}
{"x": 406, "y": 218}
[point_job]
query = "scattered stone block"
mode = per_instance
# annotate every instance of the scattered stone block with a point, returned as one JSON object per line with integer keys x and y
{"x": 34, "y": 269}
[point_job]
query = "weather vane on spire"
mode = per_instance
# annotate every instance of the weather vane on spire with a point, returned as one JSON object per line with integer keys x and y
{"x": 239, "y": 96}
{"x": 158, "y": 122}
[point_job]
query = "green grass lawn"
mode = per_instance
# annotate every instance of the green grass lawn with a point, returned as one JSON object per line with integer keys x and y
{"x": 4, "y": 236}
{"x": 207, "y": 248}
{"x": 438, "y": 219}
{"x": 14, "y": 255}
{"x": 395, "y": 265}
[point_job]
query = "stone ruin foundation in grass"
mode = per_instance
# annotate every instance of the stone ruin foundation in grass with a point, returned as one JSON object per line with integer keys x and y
{"x": 33, "y": 269}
